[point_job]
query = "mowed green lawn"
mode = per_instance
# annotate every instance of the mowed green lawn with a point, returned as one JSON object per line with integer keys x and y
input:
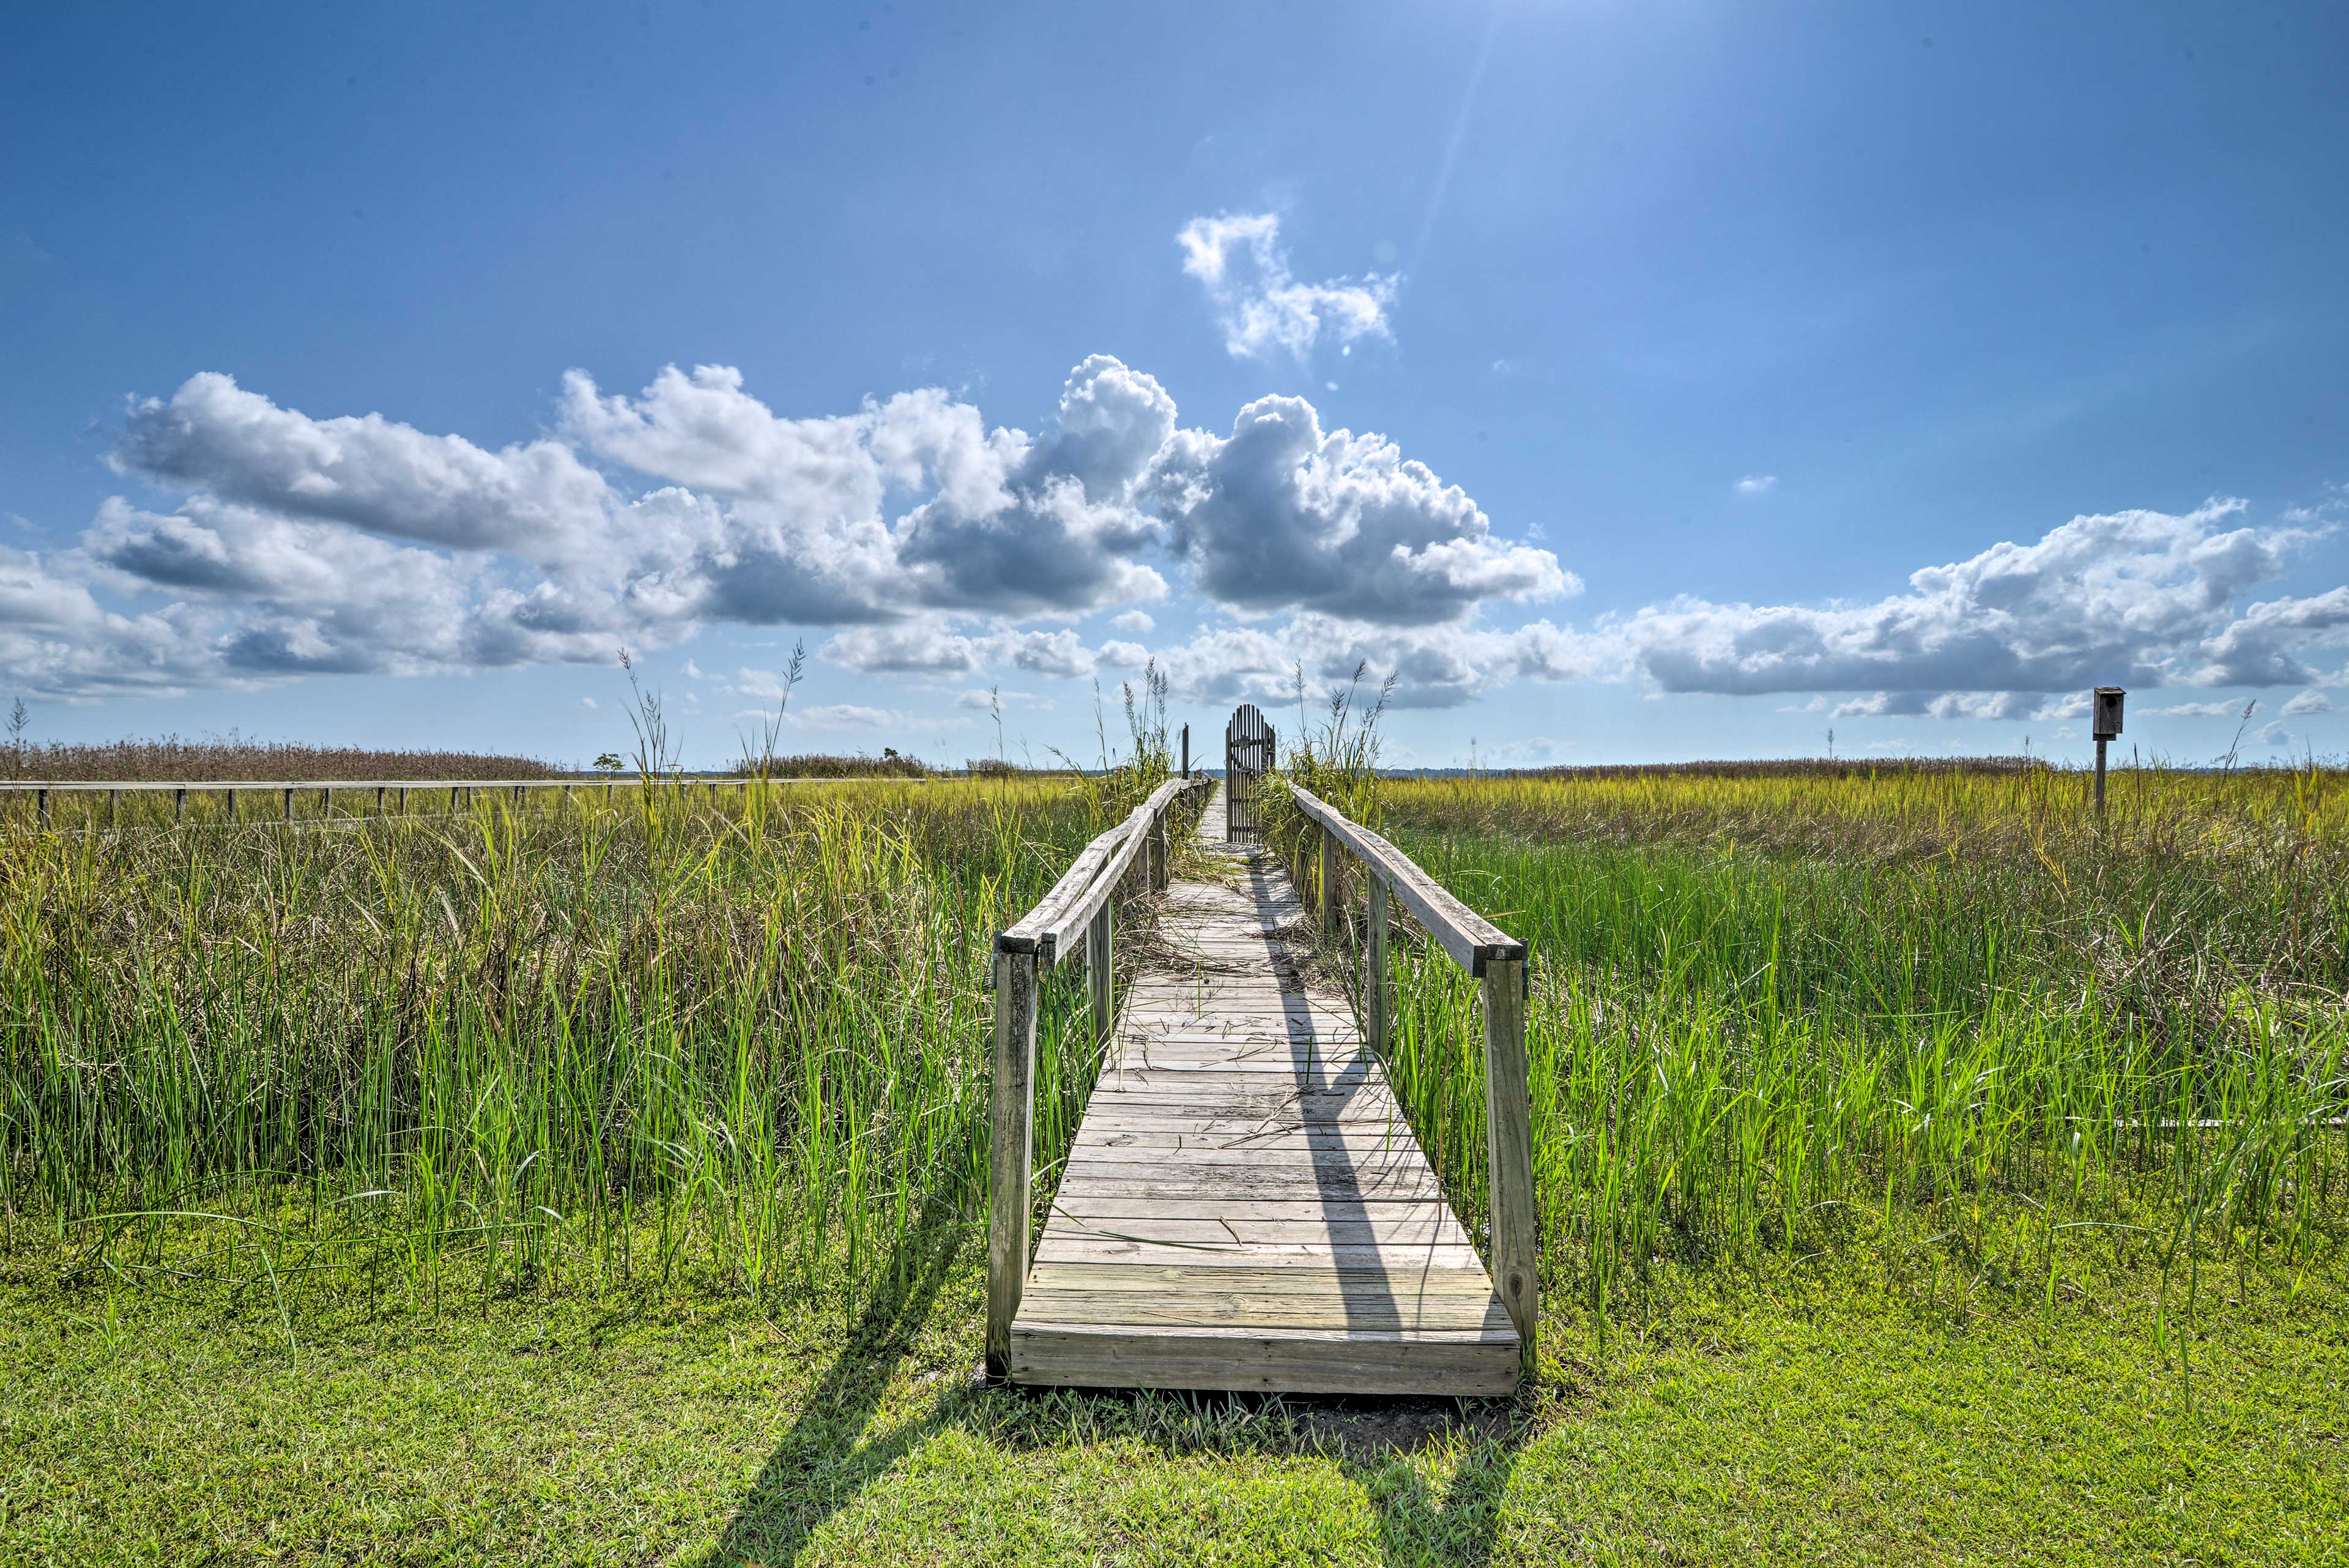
{"x": 1793, "y": 1420}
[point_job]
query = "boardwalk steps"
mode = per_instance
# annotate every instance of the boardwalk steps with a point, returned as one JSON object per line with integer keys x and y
{"x": 1244, "y": 1206}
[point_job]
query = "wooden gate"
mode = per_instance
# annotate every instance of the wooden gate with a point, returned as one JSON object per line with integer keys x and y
{"x": 1247, "y": 754}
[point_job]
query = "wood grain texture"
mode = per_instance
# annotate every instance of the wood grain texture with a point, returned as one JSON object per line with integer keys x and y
{"x": 1471, "y": 939}
{"x": 1244, "y": 1205}
{"x": 1509, "y": 1139}
{"x": 1010, "y": 1150}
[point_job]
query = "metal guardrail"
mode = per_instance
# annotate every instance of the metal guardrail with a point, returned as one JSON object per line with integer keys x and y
{"x": 1498, "y": 961}
{"x": 1030, "y": 948}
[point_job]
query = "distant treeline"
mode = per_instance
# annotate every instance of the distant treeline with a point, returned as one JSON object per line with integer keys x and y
{"x": 1781, "y": 767}
{"x": 171, "y": 758}
{"x": 168, "y": 757}
{"x": 817, "y": 766}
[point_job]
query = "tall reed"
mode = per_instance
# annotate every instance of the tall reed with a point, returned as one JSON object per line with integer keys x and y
{"x": 1781, "y": 1016}
{"x": 739, "y": 1036}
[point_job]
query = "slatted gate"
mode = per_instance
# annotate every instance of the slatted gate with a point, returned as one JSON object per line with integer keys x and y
{"x": 1247, "y": 752}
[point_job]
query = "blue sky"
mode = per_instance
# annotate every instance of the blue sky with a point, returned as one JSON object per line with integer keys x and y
{"x": 1635, "y": 381}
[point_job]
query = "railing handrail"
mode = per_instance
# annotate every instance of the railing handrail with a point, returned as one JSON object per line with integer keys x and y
{"x": 1498, "y": 961}
{"x": 1079, "y": 901}
{"x": 1471, "y": 939}
{"x": 1090, "y": 878}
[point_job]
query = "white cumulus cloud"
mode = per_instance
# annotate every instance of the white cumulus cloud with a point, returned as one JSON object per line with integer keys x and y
{"x": 2137, "y": 598}
{"x": 1262, "y": 308}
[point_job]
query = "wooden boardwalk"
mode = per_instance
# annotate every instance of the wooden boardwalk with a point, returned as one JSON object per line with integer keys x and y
{"x": 1244, "y": 1206}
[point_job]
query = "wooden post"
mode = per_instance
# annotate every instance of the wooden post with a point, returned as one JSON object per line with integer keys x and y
{"x": 1374, "y": 969}
{"x": 180, "y": 804}
{"x": 41, "y": 802}
{"x": 1161, "y": 863}
{"x": 402, "y": 807}
{"x": 2105, "y": 723}
{"x": 231, "y": 805}
{"x": 379, "y": 790}
{"x": 1097, "y": 973}
{"x": 1011, "y": 1151}
{"x": 289, "y": 803}
{"x": 1186, "y": 751}
{"x": 114, "y": 808}
{"x": 1509, "y": 1146}
{"x": 1328, "y": 893}
{"x": 327, "y": 803}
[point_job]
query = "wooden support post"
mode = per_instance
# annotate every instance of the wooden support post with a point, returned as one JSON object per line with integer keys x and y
{"x": 114, "y": 808}
{"x": 180, "y": 804}
{"x": 2100, "y": 778}
{"x": 1011, "y": 1151}
{"x": 1509, "y": 1146}
{"x": 402, "y": 807}
{"x": 1327, "y": 898}
{"x": 289, "y": 803}
{"x": 379, "y": 798}
{"x": 1097, "y": 974}
{"x": 327, "y": 803}
{"x": 1374, "y": 968}
{"x": 452, "y": 799}
{"x": 1162, "y": 861}
{"x": 231, "y": 805}
{"x": 41, "y": 804}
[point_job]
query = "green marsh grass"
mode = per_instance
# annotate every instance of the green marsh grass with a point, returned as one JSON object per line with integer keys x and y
{"x": 1937, "y": 1019}
{"x": 715, "y": 1037}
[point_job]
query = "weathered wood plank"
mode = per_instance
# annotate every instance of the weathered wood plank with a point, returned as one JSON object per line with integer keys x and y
{"x": 1467, "y": 936}
{"x": 1156, "y": 1278}
{"x": 1302, "y": 1361}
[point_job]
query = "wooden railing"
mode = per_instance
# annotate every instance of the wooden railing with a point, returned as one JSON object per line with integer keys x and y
{"x": 1078, "y": 904}
{"x": 390, "y": 795}
{"x": 1498, "y": 961}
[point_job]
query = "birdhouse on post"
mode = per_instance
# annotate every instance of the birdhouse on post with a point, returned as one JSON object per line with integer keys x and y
{"x": 2105, "y": 725}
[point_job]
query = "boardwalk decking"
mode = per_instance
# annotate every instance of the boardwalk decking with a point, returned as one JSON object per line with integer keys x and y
{"x": 1244, "y": 1206}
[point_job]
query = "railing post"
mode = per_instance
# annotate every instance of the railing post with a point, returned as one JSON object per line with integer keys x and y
{"x": 1327, "y": 893}
{"x": 327, "y": 803}
{"x": 1097, "y": 973}
{"x": 1011, "y": 1151}
{"x": 1374, "y": 969}
{"x": 1508, "y": 1123}
{"x": 180, "y": 804}
{"x": 114, "y": 809}
{"x": 379, "y": 798}
{"x": 41, "y": 799}
{"x": 231, "y": 805}
{"x": 289, "y": 804}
